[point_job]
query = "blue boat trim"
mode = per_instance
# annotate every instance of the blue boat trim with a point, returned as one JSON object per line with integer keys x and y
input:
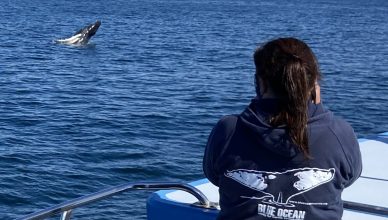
{"x": 160, "y": 208}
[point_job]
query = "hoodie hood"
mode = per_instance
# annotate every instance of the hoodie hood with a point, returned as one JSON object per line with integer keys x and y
{"x": 276, "y": 139}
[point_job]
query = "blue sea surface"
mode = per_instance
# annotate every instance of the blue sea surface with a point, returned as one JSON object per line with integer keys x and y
{"x": 138, "y": 102}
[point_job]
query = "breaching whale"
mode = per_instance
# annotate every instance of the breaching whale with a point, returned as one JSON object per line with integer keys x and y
{"x": 82, "y": 36}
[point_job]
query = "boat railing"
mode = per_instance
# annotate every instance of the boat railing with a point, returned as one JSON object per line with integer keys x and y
{"x": 66, "y": 208}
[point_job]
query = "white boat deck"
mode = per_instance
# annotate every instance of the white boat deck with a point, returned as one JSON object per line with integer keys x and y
{"x": 372, "y": 187}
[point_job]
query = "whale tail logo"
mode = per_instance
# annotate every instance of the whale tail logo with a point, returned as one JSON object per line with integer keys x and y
{"x": 279, "y": 187}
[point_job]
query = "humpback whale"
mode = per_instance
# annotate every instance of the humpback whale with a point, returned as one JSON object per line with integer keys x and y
{"x": 82, "y": 36}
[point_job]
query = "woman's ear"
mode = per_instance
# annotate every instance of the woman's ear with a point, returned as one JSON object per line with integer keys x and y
{"x": 257, "y": 86}
{"x": 262, "y": 88}
{"x": 317, "y": 93}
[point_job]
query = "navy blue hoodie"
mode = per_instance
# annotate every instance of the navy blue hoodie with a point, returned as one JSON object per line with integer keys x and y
{"x": 262, "y": 175}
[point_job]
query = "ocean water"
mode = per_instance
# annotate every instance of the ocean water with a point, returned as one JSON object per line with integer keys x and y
{"x": 138, "y": 102}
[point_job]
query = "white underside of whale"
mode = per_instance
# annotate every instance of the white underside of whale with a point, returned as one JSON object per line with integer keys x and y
{"x": 71, "y": 40}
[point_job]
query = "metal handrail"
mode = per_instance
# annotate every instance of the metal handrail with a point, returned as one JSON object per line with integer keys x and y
{"x": 67, "y": 207}
{"x": 372, "y": 209}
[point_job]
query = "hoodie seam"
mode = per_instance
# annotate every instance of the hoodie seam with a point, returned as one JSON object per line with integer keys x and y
{"x": 229, "y": 137}
{"x": 342, "y": 148}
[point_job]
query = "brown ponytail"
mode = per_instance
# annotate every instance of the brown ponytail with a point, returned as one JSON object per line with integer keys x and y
{"x": 289, "y": 68}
